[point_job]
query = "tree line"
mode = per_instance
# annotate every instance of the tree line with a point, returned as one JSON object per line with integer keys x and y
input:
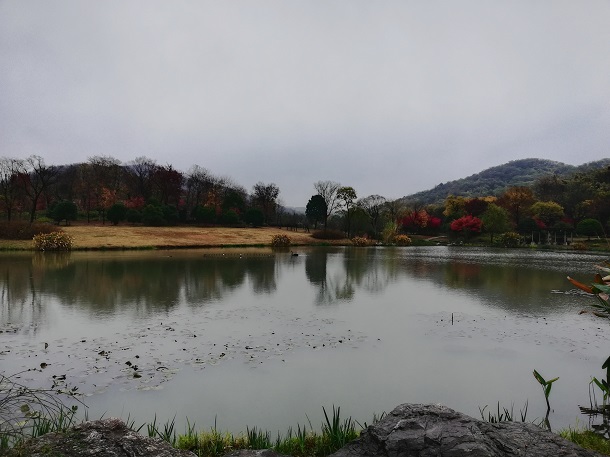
{"x": 552, "y": 207}
{"x": 142, "y": 191}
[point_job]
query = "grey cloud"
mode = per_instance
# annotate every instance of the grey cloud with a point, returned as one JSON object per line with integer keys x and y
{"x": 390, "y": 97}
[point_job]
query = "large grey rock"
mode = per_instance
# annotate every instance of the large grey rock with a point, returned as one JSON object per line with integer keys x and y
{"x": 412, "y": 430}
{"x": 103, "y": 438}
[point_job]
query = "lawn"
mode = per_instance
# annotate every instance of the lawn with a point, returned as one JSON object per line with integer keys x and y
{"x": 97, "y": 236}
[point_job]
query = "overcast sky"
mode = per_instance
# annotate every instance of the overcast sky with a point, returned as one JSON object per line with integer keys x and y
{"x": 389, "y": 97}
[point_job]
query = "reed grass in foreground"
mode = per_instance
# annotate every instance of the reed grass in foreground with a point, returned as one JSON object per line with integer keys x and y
{"x": 29, "y": 413}
{"x": 47, "y": 413}
{"x": 335, "y": 433}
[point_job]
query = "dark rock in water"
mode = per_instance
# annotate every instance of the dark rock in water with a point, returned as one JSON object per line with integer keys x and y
{"x": 412, "y": 430}
{"x": 103, "y": 438}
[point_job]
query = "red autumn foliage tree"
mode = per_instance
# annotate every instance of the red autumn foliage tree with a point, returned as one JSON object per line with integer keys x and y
{"x": 467, "y": 225}
{"x": 415, "y": 220}
{"x": 434, "y": 222}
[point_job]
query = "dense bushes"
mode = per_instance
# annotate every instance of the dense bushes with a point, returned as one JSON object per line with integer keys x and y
{"x": 328, "y": 234}
{"x": 64, "y": 210}
{"x": 509, "y": 240}
{"x": 230, "y": 217}
{"x": 153, "y": 215}
{"x": 589, "y": 228}
{"x": 204, "y": 214}
{"x": 117, "y": 213}
{"x": 20, "y": 230}
{"x": 54, "y": 241}
{"x": 254, "y": 217}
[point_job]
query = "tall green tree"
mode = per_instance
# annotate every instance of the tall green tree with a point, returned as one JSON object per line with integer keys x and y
{"x": 64, "y": 210}
{"x": 316, "y": 210}
{"x": 495, "y": 220}
{"x": 590, "y": 227}
{"x": 547, "y": 212}
{"x": 549, "y": 188}
{"x": 117, "y": 213}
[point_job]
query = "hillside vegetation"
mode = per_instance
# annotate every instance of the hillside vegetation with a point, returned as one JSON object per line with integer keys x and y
{"x": 496, "y": 180}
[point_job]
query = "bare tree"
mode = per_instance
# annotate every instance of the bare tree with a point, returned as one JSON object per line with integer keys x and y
{"x": 107, "y": 174}
{"x": 197, "y": 181}
{"x": 10, "y": 169}
{"x": 265, "y": 196}
{"x": 347, "y": 199}
{"x": 36, "y": 180}
{"x": 373, "y": 206}
{"x": 328, "y": 191}
{"x": 140, "y": 174}
{"x": 395, "y": 209}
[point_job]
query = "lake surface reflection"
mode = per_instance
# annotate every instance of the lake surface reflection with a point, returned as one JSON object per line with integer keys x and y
{"x": 255, "y": 337}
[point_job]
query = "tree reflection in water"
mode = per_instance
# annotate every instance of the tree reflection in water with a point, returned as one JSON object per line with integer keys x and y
{"x": 151, "y": 282}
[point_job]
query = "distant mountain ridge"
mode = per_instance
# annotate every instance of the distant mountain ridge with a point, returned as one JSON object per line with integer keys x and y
{"x": 495, "y": 180}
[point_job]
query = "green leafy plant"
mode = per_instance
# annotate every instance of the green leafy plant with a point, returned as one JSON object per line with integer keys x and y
{"x": 509, "y": 240}
{"x": 595, "y": 408}
{"x": 546, "y": 387}
{"x": 604, "y": 384}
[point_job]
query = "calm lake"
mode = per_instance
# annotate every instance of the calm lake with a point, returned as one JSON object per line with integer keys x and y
{"x": 252, "y": 337}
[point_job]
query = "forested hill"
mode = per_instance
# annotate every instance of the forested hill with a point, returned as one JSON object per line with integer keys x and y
{"x": 495, "y": 180}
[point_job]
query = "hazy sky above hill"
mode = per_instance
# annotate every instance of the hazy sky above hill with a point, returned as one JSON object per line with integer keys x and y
{"x": 390, "y": 97}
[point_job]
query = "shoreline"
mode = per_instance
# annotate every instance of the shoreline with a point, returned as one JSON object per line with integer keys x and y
{"x": 98, "y": 237}
{"x": 107, "y": 237}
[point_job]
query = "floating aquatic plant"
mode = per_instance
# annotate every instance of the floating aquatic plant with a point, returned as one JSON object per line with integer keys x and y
{"x": 600, "y": 288}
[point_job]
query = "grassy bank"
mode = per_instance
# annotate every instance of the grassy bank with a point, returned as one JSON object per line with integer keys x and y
{"x": 97, "y": 236}
{"x": 27, "y": 413}
{"x": 334, "y": 434}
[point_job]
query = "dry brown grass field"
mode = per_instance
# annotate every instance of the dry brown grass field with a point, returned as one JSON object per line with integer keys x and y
{"x": 97, "y": 236}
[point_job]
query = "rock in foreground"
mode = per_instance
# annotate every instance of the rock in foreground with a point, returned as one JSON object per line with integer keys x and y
{"x": 433, "y": 430}
{"x": 103, "y": 438}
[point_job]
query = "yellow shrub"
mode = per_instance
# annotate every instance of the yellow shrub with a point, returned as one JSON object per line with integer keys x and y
{"x": 54, "y": 241}
{"x": 402, "y": 240}
{"x": 280, "y": 241}
{"x": 360, "y": 241}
